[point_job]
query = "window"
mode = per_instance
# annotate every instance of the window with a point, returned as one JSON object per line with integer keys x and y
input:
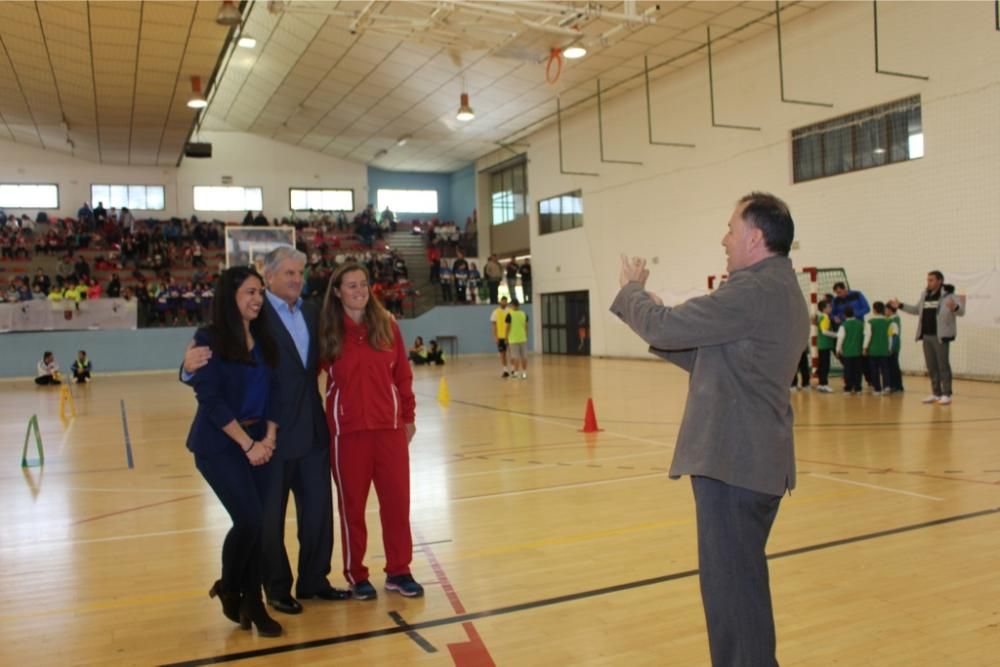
{"x": 509, "y": 193}
{"x": 228, "y": 198}
{"x": 870, "y": 138}
{"x": 135, "y": 197}
{"x": 407, "y": 201}
{"x": 558, "y": 213}
{"x": 305, "y": 199}
{"x": 29, "y": 195}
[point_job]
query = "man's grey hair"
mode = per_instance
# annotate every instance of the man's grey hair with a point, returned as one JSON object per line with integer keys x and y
{"x": 279, "y": 255}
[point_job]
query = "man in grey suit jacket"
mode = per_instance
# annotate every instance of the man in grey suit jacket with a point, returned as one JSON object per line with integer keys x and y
{"x": 302, "y": 453}
{"x": 740, "y": 344}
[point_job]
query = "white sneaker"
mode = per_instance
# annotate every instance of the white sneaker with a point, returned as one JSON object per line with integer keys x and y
{"x": 945, "y": 400}
{"x": 524, "y": 375}
{"x": 932, "y": 399}
{"x": 825, "y": 389}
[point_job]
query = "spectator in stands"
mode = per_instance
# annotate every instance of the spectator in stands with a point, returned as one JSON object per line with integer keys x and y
{"x": 100, "y": 214}
{"x": 81, "y": 269}
{"x": 197, "y": 254}
{"x": 64, "y": 270}
{"x": 937, "y": 327}
{"x": 81, "y": 368}
{"x": 248, "y": 218}
{"x": 127, "y": 221}
{"x": 475, "y": 283}
{"x": 447, "y": 280}
{"x": 114, "y": 287}
{"x": 11, "y": 295}
{"x": 21, "y": 246}
{"x": 366, "y": 361}
{"x": 418, "y": 353}
{"x": 93, "y": 289}
{"x": 511, "y": 272}
{"x": 48, "y": 370}
{"x": 525, "y": 272}
{"x": 7, "y": 245}
{"x": 493, "y": 273}
{"x": 84, "y": 212}
{"x": 260, "y": 220}
{"x": 434, "y": 260}
{"x": 460, "y": 272}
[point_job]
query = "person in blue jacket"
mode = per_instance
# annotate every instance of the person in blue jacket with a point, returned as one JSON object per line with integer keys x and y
{"x": 234, "y": 433}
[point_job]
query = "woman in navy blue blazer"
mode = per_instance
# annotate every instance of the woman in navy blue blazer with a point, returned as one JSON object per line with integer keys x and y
{"x": 233, "y": 436}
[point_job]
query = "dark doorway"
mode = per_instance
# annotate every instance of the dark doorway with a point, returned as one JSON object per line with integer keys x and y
{"x": 566, "y": 323}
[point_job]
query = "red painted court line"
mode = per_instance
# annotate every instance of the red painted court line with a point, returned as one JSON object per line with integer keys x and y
{"x": 135, "y": 509}
{"x": 474, "y": 652}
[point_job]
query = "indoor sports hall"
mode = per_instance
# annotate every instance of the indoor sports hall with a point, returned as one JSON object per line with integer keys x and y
{"x": 467, "y": 151}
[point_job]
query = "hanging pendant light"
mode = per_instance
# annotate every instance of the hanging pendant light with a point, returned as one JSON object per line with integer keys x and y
{"x": 197, "y": 100}
{"x": 465, "y": 112}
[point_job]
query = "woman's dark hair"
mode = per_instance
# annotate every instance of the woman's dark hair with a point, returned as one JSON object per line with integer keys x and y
{"x": 228, "y": 339}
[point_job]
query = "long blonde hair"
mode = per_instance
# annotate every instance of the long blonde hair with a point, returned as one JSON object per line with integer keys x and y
{"x": 331, "y": 318}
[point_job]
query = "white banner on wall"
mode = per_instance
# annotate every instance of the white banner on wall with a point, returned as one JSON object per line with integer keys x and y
{"x": 66, "y": 316}
{"x": 982, "y": 296}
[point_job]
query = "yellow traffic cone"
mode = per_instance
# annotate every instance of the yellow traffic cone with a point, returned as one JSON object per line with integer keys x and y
{"x": 66, "y": 397}
{"x": 444, "y": 397}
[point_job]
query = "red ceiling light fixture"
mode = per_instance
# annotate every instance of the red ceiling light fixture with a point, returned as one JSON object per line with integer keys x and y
{"x": 197, "y": 100}
{"x": 465, "y": 112}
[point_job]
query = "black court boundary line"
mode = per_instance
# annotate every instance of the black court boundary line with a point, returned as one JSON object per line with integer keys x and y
{"x": 569, "y": 597}
{"x": 524, "y": 413}
{"x": 128, "y": 441}
{"x": 412, "y": 634}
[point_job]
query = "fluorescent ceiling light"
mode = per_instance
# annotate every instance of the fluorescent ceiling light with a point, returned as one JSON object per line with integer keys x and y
{"x": 574, "y": 52}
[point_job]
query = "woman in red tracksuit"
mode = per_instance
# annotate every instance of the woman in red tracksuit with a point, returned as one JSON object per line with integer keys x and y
{"x": 370, "y": 410}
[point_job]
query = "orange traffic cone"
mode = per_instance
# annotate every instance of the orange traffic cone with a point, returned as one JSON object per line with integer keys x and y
{"x": 590, "y": 419}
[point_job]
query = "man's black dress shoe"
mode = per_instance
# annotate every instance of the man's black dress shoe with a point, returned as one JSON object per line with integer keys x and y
{"x": 286, "y": 605}
{"x": 328, "y": 593}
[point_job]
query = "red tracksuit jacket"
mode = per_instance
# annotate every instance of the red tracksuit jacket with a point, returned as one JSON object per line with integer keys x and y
{"x": 368, "y": 389}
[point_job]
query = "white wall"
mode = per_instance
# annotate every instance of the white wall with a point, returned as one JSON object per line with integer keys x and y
{"x": 249, "y": 159}
{"x": 886, "y": 226}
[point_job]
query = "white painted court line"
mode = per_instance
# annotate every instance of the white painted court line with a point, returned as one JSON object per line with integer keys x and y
{"x": 875, "y": 486}
{"x": 561, "y": 487}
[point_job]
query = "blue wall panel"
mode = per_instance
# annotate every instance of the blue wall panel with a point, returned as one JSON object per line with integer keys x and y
{"x": 159, "y": 349}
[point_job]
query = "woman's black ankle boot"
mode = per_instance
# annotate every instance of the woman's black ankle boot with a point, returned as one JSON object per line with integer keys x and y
{"x": 252, "y": 610}
{"x": 230, "y": 601}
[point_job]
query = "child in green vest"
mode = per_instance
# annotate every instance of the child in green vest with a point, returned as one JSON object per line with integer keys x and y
{"x": 850, "y": 341}
{"x": 876, "y": 345}
{"x": 895, "y": 330}
{"x": 826, "y": 342}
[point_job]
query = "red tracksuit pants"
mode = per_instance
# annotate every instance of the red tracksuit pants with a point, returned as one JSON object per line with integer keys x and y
{"x": 358, "y": 459}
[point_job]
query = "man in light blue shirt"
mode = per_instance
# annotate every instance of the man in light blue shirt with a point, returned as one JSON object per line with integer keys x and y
{"x": 301, "y": 459}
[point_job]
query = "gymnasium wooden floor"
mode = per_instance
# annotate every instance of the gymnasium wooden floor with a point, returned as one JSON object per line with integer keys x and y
{"x": 538, "y": 545}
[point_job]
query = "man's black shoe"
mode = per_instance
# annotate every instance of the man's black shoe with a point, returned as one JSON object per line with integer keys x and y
{"x": 328, "y": 593}
{"x": 286, "y": 605}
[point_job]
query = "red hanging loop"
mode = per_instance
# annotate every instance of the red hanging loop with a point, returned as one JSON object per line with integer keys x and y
{"x": 555, "y": 56}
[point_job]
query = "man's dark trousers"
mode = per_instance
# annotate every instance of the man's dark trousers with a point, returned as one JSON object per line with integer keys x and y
{"x": 733, "y": 527}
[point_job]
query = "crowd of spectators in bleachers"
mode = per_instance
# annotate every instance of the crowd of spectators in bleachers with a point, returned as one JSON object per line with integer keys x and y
{"x": 169, "y": 266}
